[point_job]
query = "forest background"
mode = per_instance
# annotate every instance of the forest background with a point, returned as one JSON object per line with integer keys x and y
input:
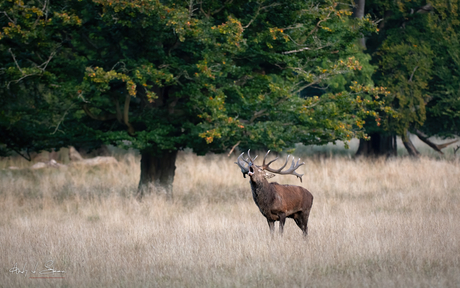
{"x": 161, "y": 77}
{"x": 168, "y": 80}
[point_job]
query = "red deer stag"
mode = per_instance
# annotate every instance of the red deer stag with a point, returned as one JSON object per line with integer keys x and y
{"x": 275, "y": 201}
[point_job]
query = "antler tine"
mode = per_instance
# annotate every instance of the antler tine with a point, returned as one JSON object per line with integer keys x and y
{"x": 244, "y": 168}
{"x": 266, "y": 165}
{"x": 276, "y": 170}
{"x": 250, "y": 158}
{"x": 291, "y": 170}
{"x": 294, "y": 167}
{"x": 245, "y": 160}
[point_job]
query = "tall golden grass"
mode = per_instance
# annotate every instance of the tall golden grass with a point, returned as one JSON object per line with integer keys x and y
{"x": 393, "y": 223}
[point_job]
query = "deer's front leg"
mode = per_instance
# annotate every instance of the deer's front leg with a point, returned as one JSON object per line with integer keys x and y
{"x": 271, "y": 225}
{"x": 282, "y": 221}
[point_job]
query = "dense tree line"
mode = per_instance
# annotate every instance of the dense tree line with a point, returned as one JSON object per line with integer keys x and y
{"x": 416, "y": 57}
{"x": 161, "y": 76}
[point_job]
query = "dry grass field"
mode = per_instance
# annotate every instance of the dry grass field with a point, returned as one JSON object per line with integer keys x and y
{"x": 392, "y": 223}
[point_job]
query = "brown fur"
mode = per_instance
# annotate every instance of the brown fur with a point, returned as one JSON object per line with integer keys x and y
{"x": 276, "y": 202}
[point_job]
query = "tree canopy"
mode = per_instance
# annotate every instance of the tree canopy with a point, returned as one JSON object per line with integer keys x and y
{"x": 416, "y": 55}
{"x": 161, "y": 76}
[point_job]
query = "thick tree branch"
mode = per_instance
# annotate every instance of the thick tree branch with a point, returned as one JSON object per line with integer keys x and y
{"x": 318, "y": 24}
{"x": 191, "y": 9}
{"x": 412, "y": 75}
{"x": 8, "y": 16}
{"x": 233, "y": 148}
{"x": 28, "y": 158}
{"x": 436, "y": 147}
{"x": 117, "y": 107}
{"x": 38, "y": 15}
{"x": 119, "y": 116}
{"x": 41, "y": 67}
{"x": 62, "y": 119}
{"x": 295, "y": 51}
{"x": 202, "y": 10}
{"x": 15, "y": 61}
{"x": 258, "y": 114}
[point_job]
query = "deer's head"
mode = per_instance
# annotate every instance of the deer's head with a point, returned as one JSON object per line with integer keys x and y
{"x": 260, "y": 173}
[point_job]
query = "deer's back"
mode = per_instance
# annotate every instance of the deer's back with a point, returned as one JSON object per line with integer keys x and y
{"x": 293, "y": 198}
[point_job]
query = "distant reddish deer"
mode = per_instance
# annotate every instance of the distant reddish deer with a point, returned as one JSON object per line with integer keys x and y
{"x": 275, "y": 201}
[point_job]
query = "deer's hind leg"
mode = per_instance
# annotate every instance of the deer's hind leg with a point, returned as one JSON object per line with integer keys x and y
{"x": 298, "y": 219}
{"x": 305, "y": 215}
{"x": 301, "y": 219}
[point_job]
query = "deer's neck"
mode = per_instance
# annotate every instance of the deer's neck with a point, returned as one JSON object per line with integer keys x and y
{"x": 263, "y": 194}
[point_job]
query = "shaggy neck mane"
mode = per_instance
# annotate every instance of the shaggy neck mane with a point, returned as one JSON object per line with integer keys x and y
{"x": 263, "y": 193}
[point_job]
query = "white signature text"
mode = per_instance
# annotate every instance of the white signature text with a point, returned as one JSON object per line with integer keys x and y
{"x": 49, "y": 269}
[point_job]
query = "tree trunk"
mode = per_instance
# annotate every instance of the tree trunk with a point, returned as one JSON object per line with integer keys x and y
{"x": 157, "y": 173}
{"x": 413, "y": 152}
{"x": 358, "y": 12}
{"x": 379, "y": 145}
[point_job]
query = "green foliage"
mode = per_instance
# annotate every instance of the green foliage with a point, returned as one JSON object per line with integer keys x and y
{"x": 405, "y": 69}
{"x": 443, "y": 108}
{"x": 417, "y": 56}
{"x": 166, "y": 75}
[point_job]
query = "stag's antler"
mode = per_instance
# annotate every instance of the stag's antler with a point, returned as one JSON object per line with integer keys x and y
{"x": 250, "y": 158}
{"x": 291, "y": 170}
{"x": 249, "y": 161}
{"x": 244, "y": 168}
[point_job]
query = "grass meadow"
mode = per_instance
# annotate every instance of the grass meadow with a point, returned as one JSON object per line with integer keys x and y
{"x": 381, "y": 223}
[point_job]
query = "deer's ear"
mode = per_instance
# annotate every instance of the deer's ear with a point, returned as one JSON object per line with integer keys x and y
{"x": 268, "y": 176}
